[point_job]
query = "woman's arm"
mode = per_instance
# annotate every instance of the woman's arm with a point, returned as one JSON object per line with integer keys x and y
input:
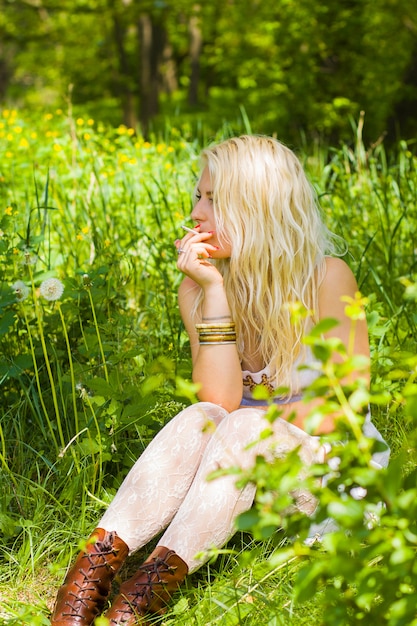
{"x": 339, "y": 281}
{"x": 216, "y": 367}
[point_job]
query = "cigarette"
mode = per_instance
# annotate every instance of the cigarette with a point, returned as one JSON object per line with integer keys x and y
{"x": 189, "y": 230}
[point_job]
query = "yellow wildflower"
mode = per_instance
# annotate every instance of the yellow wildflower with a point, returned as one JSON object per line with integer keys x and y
{"x": 9, "y": 210}
{"x": 80, "y": 237}
{"x": 80, "y": 121}
{"x": 17, "y": 129}
{"x": 57, "y": 147}
{"x": 9, "y": 154}
{"x": 48, "y": 116}
{"x": 355, "y": 306}
{"x": 90, "y": 122}
{"x": 23, "y": 143}
{"x": 85, "y": 230}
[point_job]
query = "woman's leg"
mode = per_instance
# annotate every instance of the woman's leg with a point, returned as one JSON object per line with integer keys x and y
{"x": 145, "y": 503}
{"x": 158, "y": 482}
{"x": 207, "y": 515}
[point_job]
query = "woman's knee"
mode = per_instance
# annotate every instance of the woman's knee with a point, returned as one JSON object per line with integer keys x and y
{"x": 247, "y": 421}
{"x": 205, "y": 416}
{"x": 240, "y": 429}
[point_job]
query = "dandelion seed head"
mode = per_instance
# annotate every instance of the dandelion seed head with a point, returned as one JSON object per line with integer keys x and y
{"x": 28, "y": 257}
{"x": 21, "y": 290}
{"x": 87, "y": 281}
{"x": 51, "y": 289}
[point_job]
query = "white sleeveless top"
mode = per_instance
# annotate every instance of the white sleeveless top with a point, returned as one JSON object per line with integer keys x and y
{"x": 300, "y": 379}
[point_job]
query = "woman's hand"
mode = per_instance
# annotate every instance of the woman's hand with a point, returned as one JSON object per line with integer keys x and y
{"x": 194, "y": 251}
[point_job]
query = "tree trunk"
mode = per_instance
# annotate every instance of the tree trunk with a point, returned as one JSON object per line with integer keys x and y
{"x": 124, "y": 90}
{"x": 145, "y": 43}
{"x": 169, "y": 70}
{"x": 196, "y": 42}
{"x": 4, "y": 78}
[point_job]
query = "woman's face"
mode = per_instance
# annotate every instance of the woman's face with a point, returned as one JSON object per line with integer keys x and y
{"x": 203, "y": 214}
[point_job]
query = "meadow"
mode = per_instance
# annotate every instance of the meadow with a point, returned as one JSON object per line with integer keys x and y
{"x": 94, "y": 361}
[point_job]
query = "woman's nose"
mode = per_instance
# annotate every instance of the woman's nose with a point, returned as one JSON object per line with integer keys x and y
{"x": 196, "y": 212}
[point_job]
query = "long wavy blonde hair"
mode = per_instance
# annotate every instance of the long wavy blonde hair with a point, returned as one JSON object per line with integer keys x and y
{"x": 266, "y": 208}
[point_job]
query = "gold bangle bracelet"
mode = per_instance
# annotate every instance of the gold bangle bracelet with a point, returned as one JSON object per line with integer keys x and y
{"x": 221, "y": 331}
{"x": 213, "y": 327}
{"x": 216, "y": 319}
{"x": 219, "y": 337}
{"x": 218, "y": 343}
{"x": 216, "y": 331}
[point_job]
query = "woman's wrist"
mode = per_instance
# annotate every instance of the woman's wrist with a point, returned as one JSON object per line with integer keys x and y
{"x": 215, "y": 306}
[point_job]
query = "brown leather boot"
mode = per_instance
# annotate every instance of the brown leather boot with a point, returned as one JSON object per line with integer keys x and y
{"x": 87, "y": 584}
{"x": 149, "y": 590}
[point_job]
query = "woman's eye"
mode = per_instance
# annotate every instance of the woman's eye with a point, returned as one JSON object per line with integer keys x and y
{"x": 198, "y": 196}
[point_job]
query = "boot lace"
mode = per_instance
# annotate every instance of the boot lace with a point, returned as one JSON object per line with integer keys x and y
{"x": 90, "y": 576}
{"x": 139, "y": 599}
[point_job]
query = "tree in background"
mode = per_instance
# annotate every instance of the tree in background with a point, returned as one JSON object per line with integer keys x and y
{"x": 293, "y": 66}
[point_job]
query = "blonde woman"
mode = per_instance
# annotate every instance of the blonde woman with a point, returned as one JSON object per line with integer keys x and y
{"x": 257, "y": 245}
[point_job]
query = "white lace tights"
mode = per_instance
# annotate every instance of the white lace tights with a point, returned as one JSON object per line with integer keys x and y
{"x": 167, "y": 488}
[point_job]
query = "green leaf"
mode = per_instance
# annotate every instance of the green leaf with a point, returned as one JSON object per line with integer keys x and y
{"x": 100, "y": 386}
{"x": 6, "y": 322}
{"x": 323, "y": 327}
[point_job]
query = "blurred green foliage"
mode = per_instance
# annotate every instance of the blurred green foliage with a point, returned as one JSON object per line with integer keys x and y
{"x": 292, "y": 67}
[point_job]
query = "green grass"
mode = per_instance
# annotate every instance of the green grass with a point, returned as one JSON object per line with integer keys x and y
{"x": 88, "y": 379}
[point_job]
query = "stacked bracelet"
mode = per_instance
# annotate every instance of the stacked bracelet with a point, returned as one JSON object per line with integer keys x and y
{"x": 216, "y": 333}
